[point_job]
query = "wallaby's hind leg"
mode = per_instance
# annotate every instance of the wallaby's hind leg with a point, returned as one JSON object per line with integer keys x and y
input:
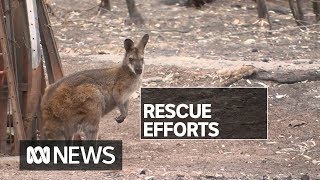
{"x": 85, "y": 122}
{"x": 89, "y": 126}
{"x": 78, "y": 137}
{"x": 91, "y": 131}
{"x": 53, "y": 130}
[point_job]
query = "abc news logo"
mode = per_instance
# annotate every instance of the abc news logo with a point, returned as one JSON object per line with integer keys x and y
{"x": 71, "y": 155}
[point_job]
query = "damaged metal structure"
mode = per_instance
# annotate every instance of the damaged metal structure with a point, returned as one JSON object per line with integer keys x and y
{"x": 28, "y": 57}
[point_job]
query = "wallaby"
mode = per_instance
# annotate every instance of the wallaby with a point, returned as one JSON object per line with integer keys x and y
{"x": 72, "y": 107}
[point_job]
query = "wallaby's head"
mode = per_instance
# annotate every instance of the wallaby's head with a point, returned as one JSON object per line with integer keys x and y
{"x": 133, "y": 59}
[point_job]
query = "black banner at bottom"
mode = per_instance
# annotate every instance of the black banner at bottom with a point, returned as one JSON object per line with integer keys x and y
{"x": 70, "y": 155}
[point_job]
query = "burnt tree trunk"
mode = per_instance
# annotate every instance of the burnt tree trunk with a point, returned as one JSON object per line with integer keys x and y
{"x": 300, "y": 10}
{"x": 104, "y": 6}
{"x": 297, "y": 12}
{"x": 316, "y": 9}
{"x": 134, "y": 14}
{"x": 263, "y": 11}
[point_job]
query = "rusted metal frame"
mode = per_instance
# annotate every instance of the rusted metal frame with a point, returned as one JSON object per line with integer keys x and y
{"x": 34, "y": 85}
{"x": 34, "y": 32}
{"x": 47, "y": 60}
{"x": 12, "y": 84}
{"x": 21, "y": 51}
{"x": 39, "y": 124}
{"x": 3, "y": 86}
{"x": 9, "y": 29}
{"x": 3, "y": 109}
{"x": 3, "y": 121}
{"x": 51, "y": 55}
{"x": 6, "y": 112}
{"x": 34, "y": 104}
{"x": 33, "y": 101}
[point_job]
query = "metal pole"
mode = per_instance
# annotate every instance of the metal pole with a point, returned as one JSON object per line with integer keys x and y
{"x": 34, "y": 88}
{"x": 50, "y": 51}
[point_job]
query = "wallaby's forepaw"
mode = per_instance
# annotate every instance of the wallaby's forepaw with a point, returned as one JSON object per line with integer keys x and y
{"x": 120, "y": 119}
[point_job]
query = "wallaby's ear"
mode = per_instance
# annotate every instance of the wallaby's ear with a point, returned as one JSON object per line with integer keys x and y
{"x": 128, "y": 44}
{"x": 143, "y": 42}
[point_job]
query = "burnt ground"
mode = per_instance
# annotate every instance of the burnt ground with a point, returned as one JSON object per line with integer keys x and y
{"x": 219, "y": 34}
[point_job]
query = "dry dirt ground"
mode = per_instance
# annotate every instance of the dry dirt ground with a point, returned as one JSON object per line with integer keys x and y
{"x": 186, "y": 48}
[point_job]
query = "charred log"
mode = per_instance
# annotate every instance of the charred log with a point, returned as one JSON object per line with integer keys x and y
{"x": 288, "y": 77}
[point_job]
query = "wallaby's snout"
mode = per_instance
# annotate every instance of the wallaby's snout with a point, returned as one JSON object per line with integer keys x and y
{"x": 138, "y": 67}
{"x": 138, "y": 70}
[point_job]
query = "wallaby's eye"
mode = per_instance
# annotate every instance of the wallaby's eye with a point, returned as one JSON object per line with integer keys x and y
{"x": 131, "y": 60}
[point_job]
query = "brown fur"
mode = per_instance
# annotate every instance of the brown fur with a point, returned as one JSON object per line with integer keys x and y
{"x": 72, "y": 107}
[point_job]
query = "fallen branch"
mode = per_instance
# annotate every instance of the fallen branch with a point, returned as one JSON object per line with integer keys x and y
{"x": 231, "y": 75}
{"x": 288, "y": 77}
